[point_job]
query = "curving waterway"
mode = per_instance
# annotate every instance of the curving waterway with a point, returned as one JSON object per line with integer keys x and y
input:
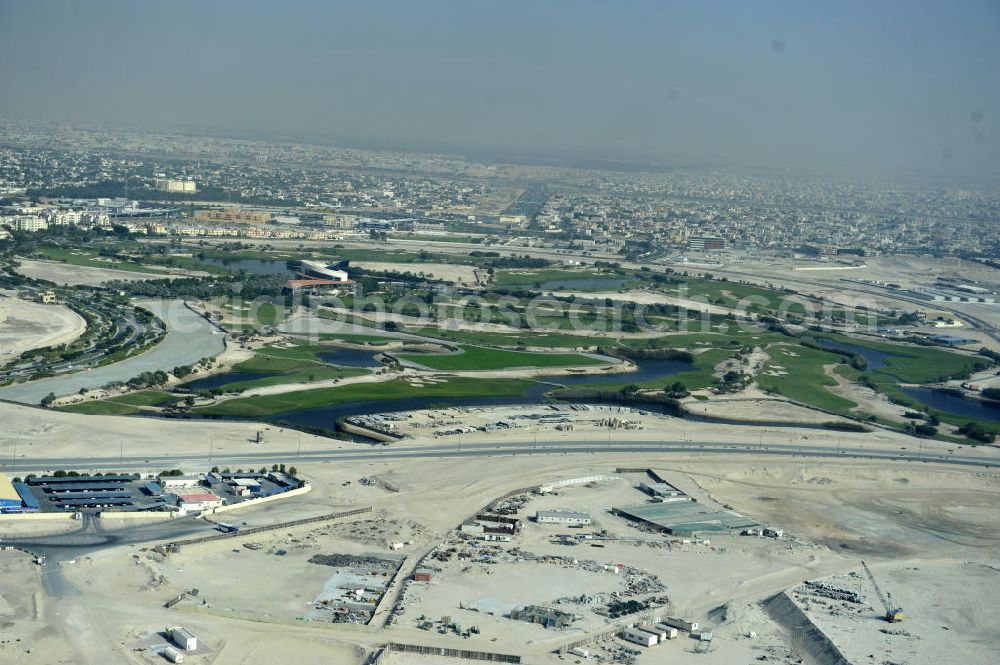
{"x": 189, "y": 338}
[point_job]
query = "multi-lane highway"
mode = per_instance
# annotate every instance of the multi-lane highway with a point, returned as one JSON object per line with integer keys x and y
{"x": 964, "y": 456}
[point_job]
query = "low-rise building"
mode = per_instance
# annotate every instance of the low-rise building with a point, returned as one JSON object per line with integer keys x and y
{"x": 562, "y": 517}
{"x": 197, "y": 499}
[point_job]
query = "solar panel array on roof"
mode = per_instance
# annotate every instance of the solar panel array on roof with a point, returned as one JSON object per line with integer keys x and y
{"x": 95, "y": 502}
{"x": 686, "y": 517}
{"x": 55, "y": 480}
{"x": 85, "y": 487}
{"x": 30, "y": 502}
{"x": 69, "y": 496}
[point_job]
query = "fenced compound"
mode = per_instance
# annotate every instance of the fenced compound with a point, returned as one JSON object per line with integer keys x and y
{"x": 271, "y": 527}
{"x": 487, "y": 656}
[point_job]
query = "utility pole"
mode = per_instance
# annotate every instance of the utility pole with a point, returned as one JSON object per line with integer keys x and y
{"x": 299, "y": 453}
{"x": 211, "y": 447}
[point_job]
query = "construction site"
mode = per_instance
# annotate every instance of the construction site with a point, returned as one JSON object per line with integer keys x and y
{"x": 522, "y": 558}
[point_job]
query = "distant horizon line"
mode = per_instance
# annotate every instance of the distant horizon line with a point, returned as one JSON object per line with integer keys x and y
{"x": 584, "y": 160}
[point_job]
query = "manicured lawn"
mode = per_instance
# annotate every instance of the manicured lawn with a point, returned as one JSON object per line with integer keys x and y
{"x": 516, "y": 339}
{"x": 483, "y": 358}
{"x": 251, "y": 315}
{"x": 303, "y": 375}
{"x": 123, "y": 404}
{"x": 298, "y": 363}
{"x": 259, "y": 407}
{"x": 297, "y": 350}
{"x": 914, "y": 364}
{"x": 528, "y": 277}
{"x": 358, "y": 338}
{"x": 804, "y": 379}
{"x": 91, "y": 259}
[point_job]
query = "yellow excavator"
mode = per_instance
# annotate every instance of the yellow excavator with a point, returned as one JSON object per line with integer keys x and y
{"x": 892, "y": 614}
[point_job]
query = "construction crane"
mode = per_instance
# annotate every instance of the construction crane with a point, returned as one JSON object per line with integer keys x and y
{"x": 892, "y": 614}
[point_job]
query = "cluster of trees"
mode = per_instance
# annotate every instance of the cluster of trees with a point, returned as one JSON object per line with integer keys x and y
{"x": 148, "y": 380}
{"x": 62, "y": 473}
{"x": 977, "y": 432}
{"x": 676, "y": 390}
{"x": 247, "y": 286}
{"x": 517, "y": 262}
{"x": 989, "y": 353}
{"x": 925, "y": 430}
{"x": 275, "y": 468}
{"x": 733, "y": 381}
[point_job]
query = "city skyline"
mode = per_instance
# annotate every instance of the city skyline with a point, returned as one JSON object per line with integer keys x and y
{"x": 892, "y": 90}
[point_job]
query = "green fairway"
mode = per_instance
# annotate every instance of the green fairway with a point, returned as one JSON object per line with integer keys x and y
{"x": 259, "y": 407}
{"x": 91, "y": 259}
{"x": 356, "y": 338}
{"x": 294, "y": 375}
{"x": 526, "y": 338}
{"x": 729, "y": 294}
{"x": 295, "y": 363}
{"x": 123, "y": 404}
{"x": 908, "y": 363}
{"x": 530, "y": 277}
{"x": 483, "y": 358}
{"x": 796, "y": 372}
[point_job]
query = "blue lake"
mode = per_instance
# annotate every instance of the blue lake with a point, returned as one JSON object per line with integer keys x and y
{"x": 955, "y": 404}
{"x": 256, "y": 266}
{"x": 876, "y": 359}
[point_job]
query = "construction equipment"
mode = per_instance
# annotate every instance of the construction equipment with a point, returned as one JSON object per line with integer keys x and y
{"x": 892, "y": 614}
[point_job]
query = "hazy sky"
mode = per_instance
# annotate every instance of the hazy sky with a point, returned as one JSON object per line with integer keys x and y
{"x": 878, "y": 85}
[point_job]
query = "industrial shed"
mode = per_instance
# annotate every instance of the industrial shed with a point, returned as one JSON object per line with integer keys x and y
{"x": 685, "y": 518}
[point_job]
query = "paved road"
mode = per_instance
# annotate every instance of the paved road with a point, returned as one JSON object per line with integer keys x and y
{"x": 91, "y": 537}
{"x": 352, "y": 452}
{"x": 189, "y": 339}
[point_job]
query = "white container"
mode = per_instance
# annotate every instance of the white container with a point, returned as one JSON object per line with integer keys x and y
{"x": 638, "y": 637}
{"x": 661, "y": 636}
{"x": 669, "y": 631}
{"x": 173, "y": 655}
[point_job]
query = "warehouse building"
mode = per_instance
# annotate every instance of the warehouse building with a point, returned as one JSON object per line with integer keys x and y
{"x": 685, "y": 518}
{"x": 566, "y": 517}
{"x": 544, "y": 616}
{"x": 663, "y": 491}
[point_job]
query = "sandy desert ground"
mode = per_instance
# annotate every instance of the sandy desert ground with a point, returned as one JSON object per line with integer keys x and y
{"x": 28, "y": 325}
{"x": 65, "y": 273}
{"x": 895, "y": 515}
{"x": 451, "y": 272}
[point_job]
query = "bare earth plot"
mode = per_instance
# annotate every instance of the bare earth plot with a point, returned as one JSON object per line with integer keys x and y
{"x": 450, "y": 272}
{"x": 67, "y": 274}
{"x": 895, "y": 515}
{"x": 27, "y": 325}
